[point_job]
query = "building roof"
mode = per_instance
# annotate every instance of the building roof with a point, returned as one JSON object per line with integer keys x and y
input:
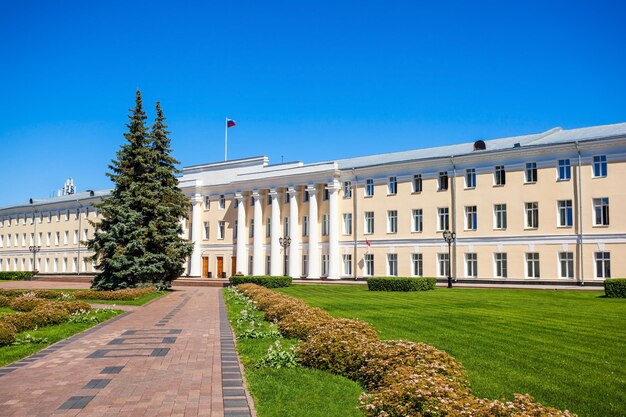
{"x": 36, "y": 202}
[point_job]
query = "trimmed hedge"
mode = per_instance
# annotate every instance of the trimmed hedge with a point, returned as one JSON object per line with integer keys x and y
{"x": 266, "y": 281}
{"x": 615, "y": 288}
{"x": 16, "y": 275}
{"x": 403, "y": 378}
{"x": 126, "y": 294}
{"x": 401, "y": 284}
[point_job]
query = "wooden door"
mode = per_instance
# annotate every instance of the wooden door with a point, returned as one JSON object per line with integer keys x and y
{"x": 233, "y": 265}
{"x": 205, "y": 267}
{"x": 220, "y": 266}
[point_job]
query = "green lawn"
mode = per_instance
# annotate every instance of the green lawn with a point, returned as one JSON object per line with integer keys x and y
{"x": 293, "y": 392}
{"x": 55, "y": 333}
{"x": 565, "y": 348}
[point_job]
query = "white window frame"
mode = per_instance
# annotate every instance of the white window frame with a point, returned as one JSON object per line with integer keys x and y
{"x": 392, "y": 264}
{"x": 471, "y": 265}
{"x": 531, "y": 215}
{"x": 601, "y": 211}
{"x": 324, "y": 265}
{"x": 499, "y": 176}
{"x": 443, "y": 264}
{"x": 305, "y": 226}
{"x": 471, "y": 218}
{"x": 305, "y": 264}
{"x": 565, "y": 213}
{"x": 206, "y": 228}
{"x": 417, "y": 265}
{"x": 533, "y": 265}
{"x": 347, "y": 189}
{"x": 368, "y": 222}
{"x": 392, "y": 185}
{"x": 368, "y": 264}
{"x": 443, "y": 219}
{"x": 417, "y": 183}
{"x": 600, "y": 168}
{"x": 324, "y": 225}
{"x": 417, "y": 220}
{"x": 369, "y": 187}
{"x": 346, "y": 224}
{"x": 347, "y": 264}
{"x": 221, "y": 229}
{"x": 602, "y": 267}
{"x": 470, "y": 178}
{"x": 392, "y": 221}
{"x": 222, "y": 202}
{"x": 499, "y": 216}
{"x": 268, "y": 227}
{"x": 566, "y": 265}
{"x": 531, "y": 175}
{"x": 500, "y": 265}
{"x": 564, "y": 170}
{"x": 443, "y": 181}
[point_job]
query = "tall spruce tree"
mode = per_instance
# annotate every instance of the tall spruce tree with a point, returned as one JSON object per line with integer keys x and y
{"x": 137, "y": 241}
{"x": 168, "y": 250}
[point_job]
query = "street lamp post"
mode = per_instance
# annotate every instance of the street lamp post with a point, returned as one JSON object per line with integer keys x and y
{"x": 449, "y": 237}
{"x": 34, "y": 249}
{"x": 285, "y": 242}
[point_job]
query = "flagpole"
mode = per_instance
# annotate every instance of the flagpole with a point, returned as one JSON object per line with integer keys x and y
{"x": 226, "y": 140}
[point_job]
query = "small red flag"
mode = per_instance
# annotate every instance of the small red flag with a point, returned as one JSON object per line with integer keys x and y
{"x": 367, "y": 242}
{"x": 230, "y": 123}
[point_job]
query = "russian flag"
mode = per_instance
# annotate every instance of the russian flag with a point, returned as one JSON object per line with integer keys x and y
{"x": 230, "y": 123}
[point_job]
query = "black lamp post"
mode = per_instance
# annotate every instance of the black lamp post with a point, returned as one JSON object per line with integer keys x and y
{"x": 285, "y": 242}
{"x": 34, "y": 249}
{"x": 449, "y": 237}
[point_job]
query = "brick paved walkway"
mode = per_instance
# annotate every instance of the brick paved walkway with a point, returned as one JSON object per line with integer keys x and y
{"x": 164, "y": 359}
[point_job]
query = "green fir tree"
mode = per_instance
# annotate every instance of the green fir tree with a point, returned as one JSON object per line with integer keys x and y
{"x": 137, "y": 241}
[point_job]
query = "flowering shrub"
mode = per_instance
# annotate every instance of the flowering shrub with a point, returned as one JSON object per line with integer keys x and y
{"x": 391, "y": 360}
{"x": 339, "y": 346}
{"x": 7, "y": 334}
{"x": 26, "y": 303}
{"x": 20, "y": 321}
{"x": 4, "y": 301}
{"x": 126, "y": 294}
{"x": 48, "y": 315}
{"x": 404, "y": 378}
{"x": 73, "y": 306}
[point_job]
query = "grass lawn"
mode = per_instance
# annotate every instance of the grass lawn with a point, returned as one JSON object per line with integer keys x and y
{"x": 55, "y": 333}
{"x": 292, "y": 392}
{"x": 565, "y": 348}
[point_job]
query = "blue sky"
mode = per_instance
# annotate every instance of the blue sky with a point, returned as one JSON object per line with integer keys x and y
{"x": 304, "y": 80}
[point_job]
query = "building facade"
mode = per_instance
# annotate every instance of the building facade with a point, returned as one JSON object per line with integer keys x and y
{"x": 541, "y": 207}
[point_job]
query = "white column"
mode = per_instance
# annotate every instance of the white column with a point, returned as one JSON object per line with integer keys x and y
{"x": 333, "y": 231}
{"x": 242, "y": 237}
{"x": 196, "y": 233}
{"x": 314, "y": 251}
{"x": 259, "y": 237}
{"x": 294, "y": 234}
{"x": 275, "y": 259}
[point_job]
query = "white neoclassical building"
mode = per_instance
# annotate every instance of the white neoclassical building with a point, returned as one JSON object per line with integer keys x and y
{"x": 545, "y": 207}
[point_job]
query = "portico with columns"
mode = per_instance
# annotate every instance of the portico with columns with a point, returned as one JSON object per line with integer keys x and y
{"x": 254, "y": 197}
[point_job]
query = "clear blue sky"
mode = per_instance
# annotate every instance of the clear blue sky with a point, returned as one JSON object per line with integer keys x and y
{"x": 309, "y": 81}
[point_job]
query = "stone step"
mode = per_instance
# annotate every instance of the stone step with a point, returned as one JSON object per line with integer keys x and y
{"x": 63, "y": 278}
{"x": 200, "y": 282}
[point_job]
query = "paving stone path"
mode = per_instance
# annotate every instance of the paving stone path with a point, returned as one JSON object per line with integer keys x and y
{"x": 172, "y": 357}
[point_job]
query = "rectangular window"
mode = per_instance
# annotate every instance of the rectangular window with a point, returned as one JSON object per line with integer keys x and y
{"x": 251, "y": 228}
{"x": 235, "y": 228}
{"x": 58, "y": 217}
{"x": 392, "y": 186}
{"x": 286, "y": 200}
{"x": 221, "y": 229}
{"x": 369, "y": 264}
{"x": 57, "y": 239}
{"x": 236, "y": 202}
{"x": 325, "y": 193}
{"x": 443, "y": 180}
{"x": 501, "y": 265}
{"x": 532, "y": 215}
{"x": 286, "y": 264}
{"x": 347, "y": 264}
{"x": 392, "y": 264}
{"x": 324, "y": 265}
{"x": 499, "y": 212}
{"x": 347, "y": 189}
{"x": 565, "y": 170}
{"x": 369, "y": 222}
{"x": 205, "y": 231}
{"x": 305, "y": 196}
{"x": 444, "y": 264}
{"x": 207, "y": 202}
{"x": 418, "y": 220}
{"x": 48, "y": 238}
{"x": 601, "y": 211}
{"x": 1, "y": 241}
{"x": 40, "y": 239}
{"x": 77, "y": 214}
{"x": 392, "y": 221}
{"x": 85, "y": 234}
{"x": 324, "y": 225}
{"x": 499, "y": 175}
{"x": 347, "y": 223}
{"x": 9, "y": 240}
{"x": 471, "y": 218}
{"x": 566, "y": 264}
{"x": 66, "y": 237}
{"x": 305, "y": 225}
{"x": 286, "y": 226}
{"x": 305, "y": 265}
{"x": 250, "y": 264}
{"x": 67, "y": 215}
{"x": 268, "y": 227}
{"x": 269, "y": 199}
{"x": 23, "y": 239}
{"x": 531, "y": 172}
{"x": 268, "y": 265}
{"x": 566, "y": 216}
{"x": 532, "y": 265}
{"x": 603, "y": 264}
{"x": 470, "y": 178}
{"x": 222, "y": 202}
{"x": 417, "y": 264}
{"x": 369, "y": 187}
{"x": 471, "y": 265}
{"x": 599, "y": 166}
{"x": 417, "y": 183}
{"x": 443, "y": 219}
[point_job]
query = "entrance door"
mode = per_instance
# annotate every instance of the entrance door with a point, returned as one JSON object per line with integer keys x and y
{"x": 205, "y": 267}
{"x": 220, "y": 266}
{"x": 233, "y": 265}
